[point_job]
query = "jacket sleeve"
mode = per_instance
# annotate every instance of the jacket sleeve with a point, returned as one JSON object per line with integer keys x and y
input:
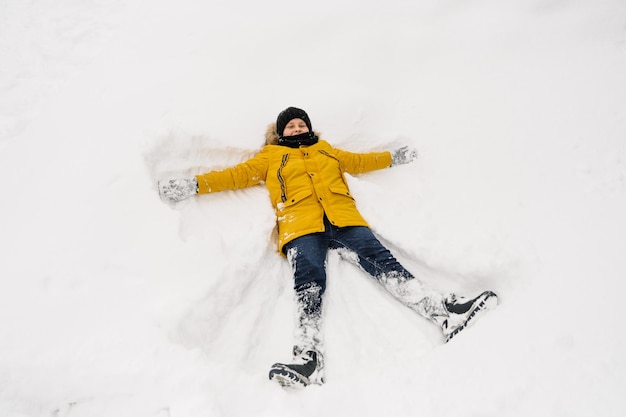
{"x": 358, "y": 163}
{"x": 246, "y": 174}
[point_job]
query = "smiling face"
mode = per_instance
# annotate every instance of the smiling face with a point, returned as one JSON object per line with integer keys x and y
{"x": 295, "y": 127}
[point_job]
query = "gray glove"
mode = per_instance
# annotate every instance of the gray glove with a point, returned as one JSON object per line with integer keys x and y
{"x": 404, "y": 155}
{"x": 178, "y": 189}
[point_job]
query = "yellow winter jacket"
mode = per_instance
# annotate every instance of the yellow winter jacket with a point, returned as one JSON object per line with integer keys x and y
{"x": 303, "y": 183}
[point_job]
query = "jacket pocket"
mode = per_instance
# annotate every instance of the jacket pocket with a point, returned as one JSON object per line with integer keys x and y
{"x": 294, "y": 199}
{"x": 341, "y": 191}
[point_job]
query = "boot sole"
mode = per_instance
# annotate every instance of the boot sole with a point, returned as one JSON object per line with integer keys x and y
{"x": 485, "y": 302}
{"x": 287, "y": 377}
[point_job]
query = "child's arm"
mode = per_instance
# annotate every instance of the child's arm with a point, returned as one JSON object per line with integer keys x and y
{"x": 246, "y": 174}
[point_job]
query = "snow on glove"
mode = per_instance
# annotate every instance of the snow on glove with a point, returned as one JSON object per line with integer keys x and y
{"x": 404, "y": 155}
{"x": 178, "y": 189}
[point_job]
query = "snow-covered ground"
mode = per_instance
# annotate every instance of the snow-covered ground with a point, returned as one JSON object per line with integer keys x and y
{"x": 113, "y": 303}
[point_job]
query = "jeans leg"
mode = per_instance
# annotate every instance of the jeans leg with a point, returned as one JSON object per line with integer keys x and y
{"x": 307, "y": 257}
{"x": 378, "y": 261}
{"x": 373, "y": 257}
{"x": 308, "y": 331}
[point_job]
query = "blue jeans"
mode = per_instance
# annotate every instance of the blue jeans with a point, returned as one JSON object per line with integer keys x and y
{"x": 307, "y": 254}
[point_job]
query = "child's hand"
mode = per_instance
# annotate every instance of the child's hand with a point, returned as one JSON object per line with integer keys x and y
{"x": 404, "y": 155}
{"x": 178, "y": 189}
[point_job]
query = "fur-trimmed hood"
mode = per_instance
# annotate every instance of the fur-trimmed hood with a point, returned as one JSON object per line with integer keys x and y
{"x": 271, "y": 135}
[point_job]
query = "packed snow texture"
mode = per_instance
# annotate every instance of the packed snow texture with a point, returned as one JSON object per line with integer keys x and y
{"x": 113, "y": 303}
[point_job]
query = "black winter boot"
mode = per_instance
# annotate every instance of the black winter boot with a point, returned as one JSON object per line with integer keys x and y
{"x": 307, "y": 368}
{"x": 462, "y": 312}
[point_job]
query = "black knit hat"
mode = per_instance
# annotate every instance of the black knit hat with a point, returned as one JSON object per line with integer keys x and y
{"x": 288, "y": 115}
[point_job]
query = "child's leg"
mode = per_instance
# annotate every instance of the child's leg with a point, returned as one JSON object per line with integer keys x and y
{"x": 451, "y": 313}
{"x": 378, "y": 261}
{"x": 307, "y": 257}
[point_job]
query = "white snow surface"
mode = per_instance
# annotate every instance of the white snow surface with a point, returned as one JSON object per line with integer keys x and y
{"x": 113, "y": 303}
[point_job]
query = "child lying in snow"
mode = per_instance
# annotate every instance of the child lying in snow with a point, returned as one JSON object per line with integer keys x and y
{"x": 316, "y": 212}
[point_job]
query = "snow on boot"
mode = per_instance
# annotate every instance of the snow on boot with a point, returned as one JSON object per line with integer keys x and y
{"x": 417, "y": 296}
{"x": 463, "y": 312}
{"x": 307, "y": 368}
{"x": 451, "y": 313}
{"x": 308, "y": 333}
